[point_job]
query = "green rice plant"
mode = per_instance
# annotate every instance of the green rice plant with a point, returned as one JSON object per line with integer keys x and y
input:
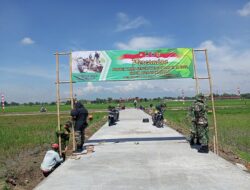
{"x": 24, "y": 132}
{"x": 233, "y": 126}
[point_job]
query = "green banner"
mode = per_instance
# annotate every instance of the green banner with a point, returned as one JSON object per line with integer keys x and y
{"x": 115, "y": 65}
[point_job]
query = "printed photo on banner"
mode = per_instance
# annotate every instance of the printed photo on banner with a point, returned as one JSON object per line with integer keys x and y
{"x": 87, "y": 62}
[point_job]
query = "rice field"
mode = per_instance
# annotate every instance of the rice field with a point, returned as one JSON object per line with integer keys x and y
{"x": 233, "y": 125}
{"x": 22, "y": 132}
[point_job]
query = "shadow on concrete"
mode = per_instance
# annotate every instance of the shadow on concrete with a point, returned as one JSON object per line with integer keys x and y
{"x": 136, "y": 139}
{"x": 197, "y": 147}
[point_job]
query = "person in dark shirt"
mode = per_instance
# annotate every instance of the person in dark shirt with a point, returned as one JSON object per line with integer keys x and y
{"x": 79, "y": 114}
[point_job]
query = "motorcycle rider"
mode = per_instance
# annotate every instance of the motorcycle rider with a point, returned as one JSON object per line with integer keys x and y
{"x": 113, "y": 115}
{"x": 160, "y": 108}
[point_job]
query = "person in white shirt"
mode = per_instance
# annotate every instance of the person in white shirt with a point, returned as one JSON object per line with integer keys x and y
{"x": 51, "y": 160}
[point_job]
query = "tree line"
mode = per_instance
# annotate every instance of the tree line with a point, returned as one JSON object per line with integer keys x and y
{"x": 115, "y": 100}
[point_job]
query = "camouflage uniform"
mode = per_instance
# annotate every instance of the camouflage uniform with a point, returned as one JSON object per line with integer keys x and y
{"x": 199, "y": 127}
{"x": 193, "y": 128}
{"x": 65, "y": 135}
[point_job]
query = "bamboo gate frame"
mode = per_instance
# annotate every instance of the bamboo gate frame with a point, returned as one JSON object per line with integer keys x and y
{"x": 71, "y": 98}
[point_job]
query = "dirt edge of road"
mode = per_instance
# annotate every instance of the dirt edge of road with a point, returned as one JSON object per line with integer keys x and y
{"x": 23, "y": 171}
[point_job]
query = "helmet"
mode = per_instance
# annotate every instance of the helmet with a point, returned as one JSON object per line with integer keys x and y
{"x": 200, "y": 97}
{"x": 55, "y": 146}
{"x": 163, "y": 105}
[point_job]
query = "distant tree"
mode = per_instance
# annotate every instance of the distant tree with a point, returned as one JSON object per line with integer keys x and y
{"x": 14, "y": 104}
{"x": 246, "y": 96}
{"x": 68, "y": 102}
{"x": 6, "y": 103}
{"x": 99, "y": 100}
{"x": 84, "y": 101}
{"x": 52, "y": 103}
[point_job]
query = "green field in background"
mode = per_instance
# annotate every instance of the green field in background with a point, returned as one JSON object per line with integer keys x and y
{"x": 233, "y": 123}
{"x": 233, "y": 126}
{"x": 19, "y": 133}
{"x": 104, "y": 106}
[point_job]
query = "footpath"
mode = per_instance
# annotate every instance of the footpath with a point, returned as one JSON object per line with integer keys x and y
{"x": 133, "y": 155}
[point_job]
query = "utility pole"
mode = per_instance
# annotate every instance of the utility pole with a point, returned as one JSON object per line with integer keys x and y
{"x": 238, "y": 91}
{"x": 183, "y": 97}
{"x": 3, "y": 103}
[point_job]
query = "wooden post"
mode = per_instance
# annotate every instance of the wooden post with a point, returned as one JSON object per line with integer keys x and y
{"x": 58, "y": 100}
{"x": 195, "y": 75}
{"x": 212, "y": 99}
{"x": 214, "y": 143}
{"x": 72, "y": 99}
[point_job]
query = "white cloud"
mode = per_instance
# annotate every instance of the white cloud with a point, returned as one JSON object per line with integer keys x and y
{"x": 133, "y": 86}
{"x": 117, "y": 88}
{"x": 152, "y": 88}
{"x": 122, "y": 17}
{"x": 91, "y": 88}
{"x": 144, "y": 42}
{"x": 229, "y": 65}
{"x": 245, "y": 11}
{"x": 27, "y": 41}
{"x": 125, "y": 23}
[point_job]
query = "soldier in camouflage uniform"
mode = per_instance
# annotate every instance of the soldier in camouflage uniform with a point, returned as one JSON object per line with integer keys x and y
{"x": 65, "y": 135}
{"x": 199, "y": 127}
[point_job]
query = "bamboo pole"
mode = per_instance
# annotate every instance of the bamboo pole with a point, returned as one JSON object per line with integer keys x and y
{"x": 212, "y": 99}
{"x": 58, "y": 100}
{"x": 64, "y": 82}
{"x": 202, "y": 78}
{"x": 214, "y": 143}
{"x": 198, "y": 49}
{"x": 195, "y": 74}
{"x": 62, "y": 53}
{"x": 72, "y": 99}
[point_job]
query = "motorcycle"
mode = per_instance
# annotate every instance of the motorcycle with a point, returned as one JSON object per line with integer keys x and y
{"x": 157, "y": 119}
{"x": 111, "y": 118}
{"x": 116, "y": 114}
{"x": 43, "y": 109}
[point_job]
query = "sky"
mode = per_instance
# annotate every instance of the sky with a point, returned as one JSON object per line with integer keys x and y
{"x": 32, "y": 31}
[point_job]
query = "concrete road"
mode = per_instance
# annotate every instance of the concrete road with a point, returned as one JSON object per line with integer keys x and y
{"x": 133, "y": 155}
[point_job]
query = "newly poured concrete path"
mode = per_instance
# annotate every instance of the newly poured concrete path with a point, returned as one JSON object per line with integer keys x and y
{"x": 134, "y": 155}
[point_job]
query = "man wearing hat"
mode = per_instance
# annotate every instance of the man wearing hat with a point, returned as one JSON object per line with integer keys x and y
{"x": 51, "y": 160}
